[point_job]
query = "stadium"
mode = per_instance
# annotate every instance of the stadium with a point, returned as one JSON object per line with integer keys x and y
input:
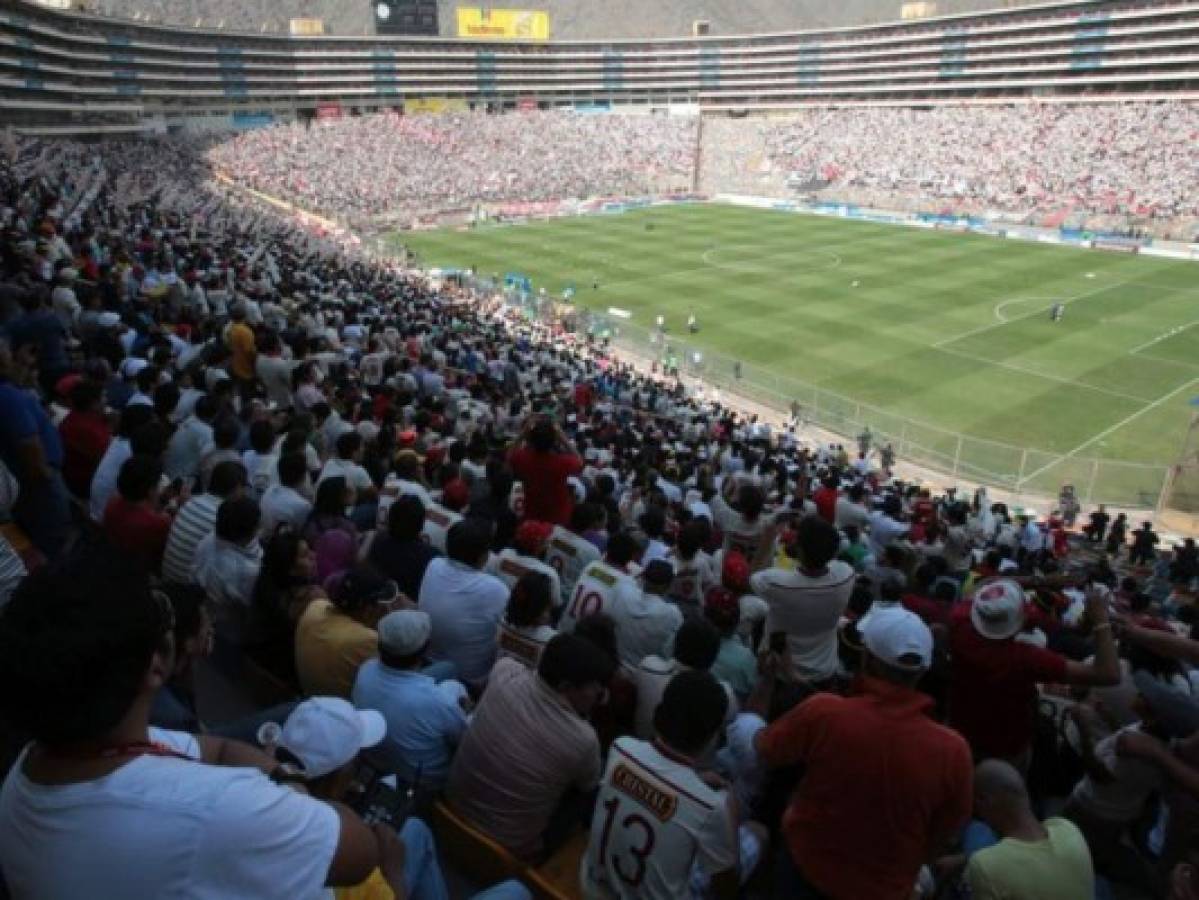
{"x": 641, "y": 449}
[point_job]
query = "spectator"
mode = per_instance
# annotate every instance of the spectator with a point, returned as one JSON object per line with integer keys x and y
{"x": 227, "y": 561}
{"x": 191, "y": 441}
{"x": 134, "y": 520}
{"x": 602, "y": 585}
{"x": 196, "y": 520}
{"x": 285, "y": 503}
{"x": 878, "y": 773}
{"x": 525, "y": 556}
{"x": 525, "y": 630}
{"x": 399, "y": 552}
{"x": 632, "y": 843}
{"x": 543, "y": 461}
{"x": 1013, "y": 854}
{"x": 529, "y": 758}
{"x": 994, "y": 677}
{"x": 735, "y": 663}
{"x": 85, "y": 437}
{"x": 464, "y": 604}
{"x": 695, "y": 649}
{"x": 806, "y": 604}
{"x": 335, "y": 637}
{"x": 645, "y": 622}
{"x": 425, "y": 715}
{"x": 85, "y": 646}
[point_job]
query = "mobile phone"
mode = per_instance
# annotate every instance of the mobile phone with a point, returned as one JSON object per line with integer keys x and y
{"x": 778, "y": 642}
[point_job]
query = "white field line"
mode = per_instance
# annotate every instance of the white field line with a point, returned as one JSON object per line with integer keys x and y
{"x": 1163, "y": 336}
{"x": 1017, "y": 368}
{"x": 1109, "y": 430}
{"x": 1004, "y": 304}
{"x": 1168, "y": 362}
{"x": 940, "y": 345}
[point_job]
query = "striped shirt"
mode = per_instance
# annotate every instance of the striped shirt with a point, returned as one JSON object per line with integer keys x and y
{"x": 194, "y": 522}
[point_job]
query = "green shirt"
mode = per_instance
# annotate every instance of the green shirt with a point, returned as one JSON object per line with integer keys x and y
{"x": 736, "y": 665}
{"x": 1057, "y": 868}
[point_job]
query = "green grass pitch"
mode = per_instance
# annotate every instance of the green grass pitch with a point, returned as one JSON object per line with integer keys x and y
{"x": 944, "y": 329}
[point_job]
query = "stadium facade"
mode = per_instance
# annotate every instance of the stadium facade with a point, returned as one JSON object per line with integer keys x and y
{"x": 70, "y": 72}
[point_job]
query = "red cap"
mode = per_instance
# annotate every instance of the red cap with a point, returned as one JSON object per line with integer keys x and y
{"x": 735, "y": 572}
{"x": 722, "y": 607}
{"x": 66, "y": 384}
{"x": 434, "y": 456}
{"x": 455, "y": 495}
{"x": 407, "y": 438}
{"x": 531, "y": 536}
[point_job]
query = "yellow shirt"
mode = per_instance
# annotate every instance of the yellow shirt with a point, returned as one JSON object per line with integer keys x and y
{"x": 330, "y": 646}
{"x": 374, "y": 888}
{"x": 1057, "y": 868}
{"x": 241, "y": 344}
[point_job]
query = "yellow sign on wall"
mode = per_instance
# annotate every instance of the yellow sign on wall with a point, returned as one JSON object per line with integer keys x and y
{"x": 503, "y": 24}
{"x": 434, "y": 105}
{"x": 307, "y": 27}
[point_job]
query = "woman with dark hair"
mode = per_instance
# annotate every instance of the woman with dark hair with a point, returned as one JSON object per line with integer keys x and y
{"x": 333, "y": 497}
{"x": 286, "y": 585}
{"x": 526, "y": 627}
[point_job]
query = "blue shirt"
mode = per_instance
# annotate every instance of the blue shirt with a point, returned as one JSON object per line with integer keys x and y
{"x": 22, "y": 417}
{"x": 424, "y": 724}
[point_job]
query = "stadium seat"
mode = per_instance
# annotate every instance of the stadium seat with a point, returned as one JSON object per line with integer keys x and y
{"x": 471, "y": 852}
{"x": 558, "y": 877}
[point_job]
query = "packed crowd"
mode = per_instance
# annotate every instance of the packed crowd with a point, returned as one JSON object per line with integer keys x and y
{"x": 1133, "y": 159}
{"x": 355, "y": 168}
{"x": 494, "y": 574}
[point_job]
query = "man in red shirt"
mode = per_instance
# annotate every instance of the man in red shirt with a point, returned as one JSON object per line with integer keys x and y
{"x": 85, "y": 436}
{"x": 884, "y": 786}
{"x": 133, "y": 522}
{"x": 825, "y": 499}
{"x": 543, "y": 461}
{"x": 993, "y": 680}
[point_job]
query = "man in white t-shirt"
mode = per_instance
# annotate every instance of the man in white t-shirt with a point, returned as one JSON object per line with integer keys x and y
{"x": 525, "y": 556}
{"x": 603, "y": 584}
{"x": 100, "y": 802}
{"x": 806, "y": 603}
{"x": 747, "y": 528}
{"x": 663, "y": 829}
{"x": 645, "y": 622}
{"x": 345, "y": 465}
{"x": 568, "y": 552}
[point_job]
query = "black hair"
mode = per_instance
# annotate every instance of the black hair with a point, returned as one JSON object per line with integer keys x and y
{"x": 262, "y": 436}
{"x": 348, "y": 444}
{"x": 226, "y": 478}
{"x": 149, "y": 439}
{"x": 225, "y": 432}
{"x": 530, "y": 599}
{"x": 817, "y": 540}
{"x": 85, "y": 394}
{"x": 330, "y": 497}
{"x": 138, "y": 477}
{"x": 542, "y": 436}
{"x": 406, "y": 518}
{"x": 188, "y": 602}
{"x": 600, "y": 630}
{"x": 692, "y": 537}
{"x": 750, "y": 502}
{"x": 468, "y": 541}
{"x": 653, "y": 521}
{"x": 623, "y": 548}
{"x": 292, "y": 467}
{"x": 237, "y": 520}
{"x": 691, "y": 711}
{"x": 76, "y": 641}
{"x": 697, "y": 643}
{"x": 571, "y": 660}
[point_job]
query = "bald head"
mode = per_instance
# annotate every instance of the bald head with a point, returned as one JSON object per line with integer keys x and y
{"x": 1000, "y": 795}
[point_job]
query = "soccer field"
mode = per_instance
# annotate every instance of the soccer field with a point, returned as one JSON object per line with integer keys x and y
{"x": 934, "y": 334}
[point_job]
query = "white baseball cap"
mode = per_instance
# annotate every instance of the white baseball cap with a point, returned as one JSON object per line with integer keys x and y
{"x": 325, "y": 733}
{"x": 132, "y": 366}
{"x": 898, "y": 638}
{"x": 405, "y": 631}
{"x": 998, "y": 609}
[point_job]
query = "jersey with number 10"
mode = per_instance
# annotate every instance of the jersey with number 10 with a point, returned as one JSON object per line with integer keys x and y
{"x": 599, "y": 589}
{"x": 569, "y": 555}
{"x": 654, "y": 820}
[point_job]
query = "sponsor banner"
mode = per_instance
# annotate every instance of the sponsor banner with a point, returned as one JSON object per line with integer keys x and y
{"x": 307, "y": 27}
{"x": 1116, "y": 245}
{"x": 328, "y": 110}
{"x": 503, "y": 24}
{"x": 247, "y": 121}
{"x": 526, "y": 104}
{"x": 434, "y": 105}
